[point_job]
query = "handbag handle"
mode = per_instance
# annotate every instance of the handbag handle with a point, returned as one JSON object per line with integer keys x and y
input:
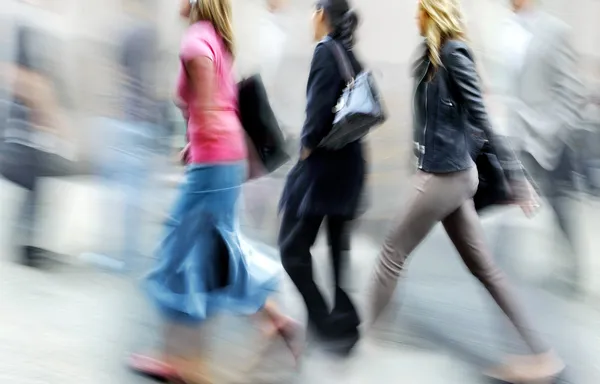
{"x": 342, "y": 60}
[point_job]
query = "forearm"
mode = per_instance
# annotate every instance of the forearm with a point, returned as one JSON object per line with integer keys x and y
{"x": 25, "y": 85}
{"x": 463, "y": 72}
{"x": 52, "y": 117}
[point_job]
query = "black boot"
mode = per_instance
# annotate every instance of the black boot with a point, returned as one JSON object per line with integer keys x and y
{"x": 30, "y": 256}
{"x": 36, "y": 257}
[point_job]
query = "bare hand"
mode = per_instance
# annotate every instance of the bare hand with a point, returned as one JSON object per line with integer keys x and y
{"x": 184, "y": 154}
{"x": 305, "y": 153}
{"x": 530, "y": 200}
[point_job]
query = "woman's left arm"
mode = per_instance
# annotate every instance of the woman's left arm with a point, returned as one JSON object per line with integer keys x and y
{"x": 201, "y": 73}
{"x": 463, "y": 73}
{"x": 322, "y": 95}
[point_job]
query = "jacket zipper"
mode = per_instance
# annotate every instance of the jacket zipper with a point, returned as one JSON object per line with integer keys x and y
{"x": 424, "y": 128}
{"x": 421, "y": 145}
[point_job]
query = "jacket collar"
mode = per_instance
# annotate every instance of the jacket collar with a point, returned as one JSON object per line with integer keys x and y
{"x": 420, "y": 61}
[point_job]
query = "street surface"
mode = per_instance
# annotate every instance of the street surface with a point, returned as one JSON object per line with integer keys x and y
{"x": 75, "y": 324}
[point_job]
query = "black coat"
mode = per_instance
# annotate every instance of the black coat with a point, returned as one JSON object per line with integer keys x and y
{"x": 450, "y": 115}
{"x": 327, "y": 183}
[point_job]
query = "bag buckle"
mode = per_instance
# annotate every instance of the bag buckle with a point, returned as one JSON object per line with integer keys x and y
{"x": 340, "y": 105}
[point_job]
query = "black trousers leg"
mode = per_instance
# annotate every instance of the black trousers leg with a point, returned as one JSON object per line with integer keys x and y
{"x": 296, "y": 237}
{"x": 344, "y": 314}
{"x": 28, "y": 217}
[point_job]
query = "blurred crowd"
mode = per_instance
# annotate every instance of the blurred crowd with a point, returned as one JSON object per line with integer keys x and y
{"x": 90, "y": 92}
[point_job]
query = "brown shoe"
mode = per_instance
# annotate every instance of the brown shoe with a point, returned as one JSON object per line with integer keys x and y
{"x": 190, "y": 371}
{"x": 150, "y": 366}
{"x": 291, "y": 333}
{"x": 538, "y": 369}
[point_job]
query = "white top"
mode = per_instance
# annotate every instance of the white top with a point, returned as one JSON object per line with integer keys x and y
{"x": 514, "y": 43}
{"x": 272, "y": 45}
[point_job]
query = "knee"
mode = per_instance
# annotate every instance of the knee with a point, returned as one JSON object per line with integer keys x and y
{"x": 488, "y": 275}
{"x": 286, "y": 246}
{"x": 293, "y": 254}
{"x": 390, "y": 263}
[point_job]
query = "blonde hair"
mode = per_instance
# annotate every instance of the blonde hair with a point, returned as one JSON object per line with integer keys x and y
{"x": 219, "y": 14}
{"x": 445, "y": 22}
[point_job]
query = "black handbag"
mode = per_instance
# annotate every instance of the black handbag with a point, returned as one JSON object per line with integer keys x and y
{"x": 266, "y": 139}
{"x": 494, "y": 187}
{"x": 360, "y": 107}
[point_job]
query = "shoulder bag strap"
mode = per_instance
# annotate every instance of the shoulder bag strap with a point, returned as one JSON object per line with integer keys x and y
{"x": 342, "y": 59}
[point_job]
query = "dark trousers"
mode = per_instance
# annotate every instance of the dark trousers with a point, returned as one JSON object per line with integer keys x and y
{"x": 296, "y": 237}
{"x": 25, "y": 166}
{"x": 556, "y": 186}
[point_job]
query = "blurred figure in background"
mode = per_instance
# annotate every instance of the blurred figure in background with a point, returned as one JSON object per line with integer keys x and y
{"x": 134, "y": 136}
{"x": 203, "y": 267}
{"x": 588, "y": 144}
{"x": 272, "y": 41}
{"x": 545, "y": 98}
{"x": 447, "y": 97}
{"x": 325, "y": 186}
{"x": 35, "y": 138}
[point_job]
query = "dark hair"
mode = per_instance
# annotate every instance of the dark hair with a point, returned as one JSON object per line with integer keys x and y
{"x": 342, "y": 19}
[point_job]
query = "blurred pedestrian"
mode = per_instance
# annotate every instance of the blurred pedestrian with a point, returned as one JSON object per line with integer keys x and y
{"x": 546, "y": 97}
{"x": 447, "y": 97}
{"x": 203, "y": 267}
{"x": 587, "y": 142}
{"x": 325, "y": 185}
{"x": 257, "y": 194}
{"x": 273, "y": 40}
{"x": 133, "y": 136}
{"x": 35, "y": 140}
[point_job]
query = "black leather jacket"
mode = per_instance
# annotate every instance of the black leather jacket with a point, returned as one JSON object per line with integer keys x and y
{"x": 450, "y": 121}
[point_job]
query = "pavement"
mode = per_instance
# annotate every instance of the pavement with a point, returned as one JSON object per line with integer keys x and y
{"x": 75, "y": 324}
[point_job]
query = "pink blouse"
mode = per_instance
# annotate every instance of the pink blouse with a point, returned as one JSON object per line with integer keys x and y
{"x": 217, "y": 136}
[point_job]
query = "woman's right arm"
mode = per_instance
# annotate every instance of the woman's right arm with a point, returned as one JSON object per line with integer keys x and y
{"x": 22, "y": 83}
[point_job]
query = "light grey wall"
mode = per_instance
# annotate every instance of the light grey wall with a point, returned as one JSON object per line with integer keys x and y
{"x": 387, "y": 39}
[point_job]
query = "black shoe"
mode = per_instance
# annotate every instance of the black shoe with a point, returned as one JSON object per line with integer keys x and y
{"x": 29, "y": 257}
{"x": 35, "y": 257}
{"x": 340, "y": 344}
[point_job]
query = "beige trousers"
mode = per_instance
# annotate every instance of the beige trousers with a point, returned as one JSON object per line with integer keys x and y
{"x": 445, "y": 198}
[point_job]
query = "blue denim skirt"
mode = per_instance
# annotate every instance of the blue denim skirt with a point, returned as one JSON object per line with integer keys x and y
{"x": 204, "y": 265}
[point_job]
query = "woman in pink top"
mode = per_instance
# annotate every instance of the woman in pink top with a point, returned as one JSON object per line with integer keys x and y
{"x": 203, "y": 268}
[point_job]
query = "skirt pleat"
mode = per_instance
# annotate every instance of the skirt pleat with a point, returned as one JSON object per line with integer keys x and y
{"x": 204, "y": 265}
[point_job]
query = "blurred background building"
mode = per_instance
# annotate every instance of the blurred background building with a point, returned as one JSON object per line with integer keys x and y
{"x": 89, "y": 31}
